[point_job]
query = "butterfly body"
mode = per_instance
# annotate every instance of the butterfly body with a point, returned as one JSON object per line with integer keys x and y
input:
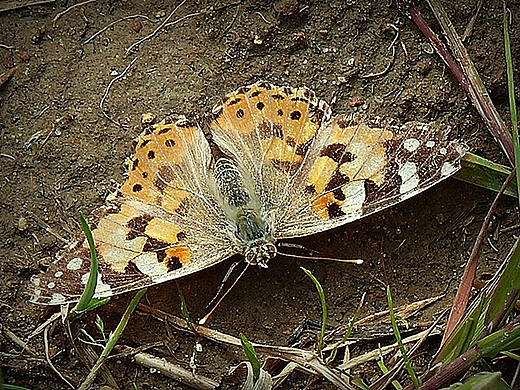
{"x": 253, "y": 231}
{"x": 284, "y": 168}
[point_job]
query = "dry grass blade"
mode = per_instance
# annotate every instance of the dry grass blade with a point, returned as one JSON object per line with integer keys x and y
{"x": 465, "y": 73}
{"x": 304, "y": 358}
{"x": 7, "y": 75}
{"x": 9, "y": 5}
{"x": 387, "y": 349}
{"x": 475, "y": 87}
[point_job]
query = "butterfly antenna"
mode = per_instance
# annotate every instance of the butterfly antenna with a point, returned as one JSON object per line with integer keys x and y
{"x": 206, "y": 317}
{"x": 298, "y": 246}
{"x": 353, "y": 261}
{"x": 223, "y": 282}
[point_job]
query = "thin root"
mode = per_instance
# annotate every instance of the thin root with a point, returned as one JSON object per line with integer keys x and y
{"x": 69, "y": 9}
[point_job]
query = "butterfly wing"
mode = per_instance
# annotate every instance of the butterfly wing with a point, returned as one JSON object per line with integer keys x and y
{"x": 362, "y": 165}
{"x": 163, "y": 223}
{"x": 312, "y": 174}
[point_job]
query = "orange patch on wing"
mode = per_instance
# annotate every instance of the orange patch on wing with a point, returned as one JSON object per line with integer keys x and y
{"x": 322, "y": 204}
{"x": 162, "y": 230}
{"x": 182, "y": 253}
{"x": 322, "y": 173}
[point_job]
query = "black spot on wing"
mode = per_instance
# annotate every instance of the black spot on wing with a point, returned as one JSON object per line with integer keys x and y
{"x": 173, "y": 263}
{"x": 137, "y": 226}
{"x": 334, "y": 210}
{"x": 338, "y": 153}
{"x": 296, "y": 115}
{"x": 164, "y": 130}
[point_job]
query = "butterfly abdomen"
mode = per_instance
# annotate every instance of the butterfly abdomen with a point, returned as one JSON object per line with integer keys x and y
{"x": 231, "y": 184}
{"x": 239, "y": 204}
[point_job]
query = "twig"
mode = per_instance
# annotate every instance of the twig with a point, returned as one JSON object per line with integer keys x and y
{"x": 117, "y": 21}
{"x": 107, "y": 89}
{"x": 47, "y": 356}
{"x": 156, "y": 30}
{"x": 6, "y": 47}
{"x": 172, "y": 371}
{"x": 69, "y": 9}
{"x": 47, "y": 228}
{"x": 11, "y": 5}
{"x": 7, "y": 75}
{"x": 15, "y": 339}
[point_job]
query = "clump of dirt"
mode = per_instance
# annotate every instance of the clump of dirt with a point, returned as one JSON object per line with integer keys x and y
{"x": 59, "y": 154}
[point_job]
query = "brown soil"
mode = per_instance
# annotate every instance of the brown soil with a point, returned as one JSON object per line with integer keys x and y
{"x": 60, "y": 155}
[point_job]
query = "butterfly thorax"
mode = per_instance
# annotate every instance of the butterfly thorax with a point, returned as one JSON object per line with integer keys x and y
{"x": 252, "y": 231}
{"x": 255, "y": 235}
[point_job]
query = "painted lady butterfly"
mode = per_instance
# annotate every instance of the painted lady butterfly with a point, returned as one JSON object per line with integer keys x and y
{"x": 278, "y": 166}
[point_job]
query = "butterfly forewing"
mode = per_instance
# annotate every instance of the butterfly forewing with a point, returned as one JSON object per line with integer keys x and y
{"x": 365, "y": 165}
{"x": 163, "y": 223}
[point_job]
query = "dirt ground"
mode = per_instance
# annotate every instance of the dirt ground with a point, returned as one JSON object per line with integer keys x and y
{"x": 60, "y": 155}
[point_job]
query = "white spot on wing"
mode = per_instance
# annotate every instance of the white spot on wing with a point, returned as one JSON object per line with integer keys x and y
{"x": 35, "y": 281}
{"x": 148, "y": 264}
{"x": 36, "y": 295}
{"x": 409, "y": 177}
{"x": 75, "y": 264}
{"x": 461, "y": 149}
{"x": 102, "y": 289}
{"x": 57, "y": 299}
{"x": 430, "y": 144}
{"x": 51, "y": 285}
{"x": 355, "y": 197}
{"x": 448, "y": 168}
{"x": 58, "y": 274}
{"x": 443, "y": 151}
{"x": 411, "y": 144}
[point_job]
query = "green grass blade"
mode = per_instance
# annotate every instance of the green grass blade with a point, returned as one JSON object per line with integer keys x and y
{"x": 415, "y": 379}
{"x": 86, "y": 298}
{"x": 184, "y": 309}
{"x": 349, "y": 330}
{"x": 323, "y": 306}
{"x": 484, "y": 173}
{"x": 511, "y": 90}
{"x": 483, "y": 381}
{"x": 506, "y": 292}
{"x": 112, "y": 340}
{"x": 251, "y": 356}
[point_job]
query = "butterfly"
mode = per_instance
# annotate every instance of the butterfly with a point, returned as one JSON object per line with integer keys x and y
{"x": 277, "y": 165}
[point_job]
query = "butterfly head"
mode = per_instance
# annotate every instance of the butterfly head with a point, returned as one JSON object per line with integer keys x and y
{"x": 259, "y": 253}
